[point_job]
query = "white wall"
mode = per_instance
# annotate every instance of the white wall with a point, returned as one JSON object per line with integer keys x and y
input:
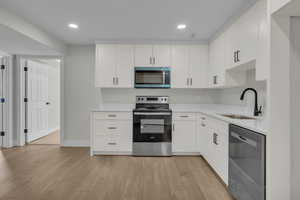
{"x": 177, "y": 96}
{"x": 80, "y": 94}
{"x": 295, "y": 108}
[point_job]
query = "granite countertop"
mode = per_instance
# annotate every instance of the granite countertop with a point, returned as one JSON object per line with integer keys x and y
{"x": 212, "y": 110}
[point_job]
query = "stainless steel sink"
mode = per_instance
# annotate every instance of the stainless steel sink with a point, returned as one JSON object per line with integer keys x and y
{"x": 233, "y": 116}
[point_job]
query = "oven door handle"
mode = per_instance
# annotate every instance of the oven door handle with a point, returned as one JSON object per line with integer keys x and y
{"x": 156, "y": 113}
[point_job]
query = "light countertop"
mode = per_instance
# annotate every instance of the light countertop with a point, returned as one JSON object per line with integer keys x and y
{"x": 211, "y": 110}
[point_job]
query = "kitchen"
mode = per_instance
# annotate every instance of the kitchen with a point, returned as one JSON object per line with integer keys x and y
{"x": 179, "y": 103}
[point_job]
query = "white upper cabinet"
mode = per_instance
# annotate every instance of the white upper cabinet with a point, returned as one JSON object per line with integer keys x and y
{"x": 180, "y": 63}
{"x": 152, "y": 55}
{"x": 216, "y": 70}
{"x": 162, "y": 55}
{"x": 143, "y": 55}
{"x": 198, "y": 65}
{"x": 114, "y": 66}
{"x": 105, "y": 69}
{"x": 189, "y": 66}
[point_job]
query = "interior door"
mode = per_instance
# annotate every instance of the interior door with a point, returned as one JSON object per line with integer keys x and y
{"x": 180, "y": 63}
{"x": 162, "y": 55}
{"x": 124, "y": 66}
{"x": 37, "y": 100}
{"x": 143, "y": 56}
{"x": 105, "y": 73}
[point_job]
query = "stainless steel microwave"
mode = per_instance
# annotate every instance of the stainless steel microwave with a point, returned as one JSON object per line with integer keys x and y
{"x": 152, "y": 77}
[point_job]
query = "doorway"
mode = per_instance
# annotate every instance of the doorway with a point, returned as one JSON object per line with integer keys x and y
{"x": 41, "y": 91}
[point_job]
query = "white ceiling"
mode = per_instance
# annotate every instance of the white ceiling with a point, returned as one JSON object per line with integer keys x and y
{"x": 127, "y": 19}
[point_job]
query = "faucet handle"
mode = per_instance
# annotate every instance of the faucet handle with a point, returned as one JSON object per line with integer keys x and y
{"x": 260, "y": 110}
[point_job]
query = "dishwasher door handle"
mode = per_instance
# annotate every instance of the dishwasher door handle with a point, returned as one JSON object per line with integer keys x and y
{"x": 244, "y": 139}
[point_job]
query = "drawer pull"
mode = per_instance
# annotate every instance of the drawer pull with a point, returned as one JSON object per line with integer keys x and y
{"x": 203, "y": 125}
{"x": 112, "y": 128}
{"x": 112, "y": 143}
{"x": 184, "y": 116}
{"x": 203, "y": 118}
{"x": 112, "y": 115}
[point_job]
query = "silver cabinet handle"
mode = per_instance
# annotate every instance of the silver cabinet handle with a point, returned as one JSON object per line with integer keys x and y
{"x": 113, "y": 80}
{"x": 191, "y": 81}
{"x": 215, "y": 139}
{"x": 203, "y": 118}
{"x": 112, "y": 128}
{"x": 173, "y": 127}
{"x": 203, "y": 125}
{"x": 184, "y": 116}
{"x": 112, "y": 143}
{"x": 112, "y": 115}
{"x": 154, "y": 60}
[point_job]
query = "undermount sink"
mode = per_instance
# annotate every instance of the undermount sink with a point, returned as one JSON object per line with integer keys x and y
{"x": 233, "y": 116}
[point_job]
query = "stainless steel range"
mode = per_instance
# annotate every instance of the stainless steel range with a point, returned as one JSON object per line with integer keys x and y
{"x": 152, "y": 126}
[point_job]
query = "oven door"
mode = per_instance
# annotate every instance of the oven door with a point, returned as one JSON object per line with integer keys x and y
{"x": 152, "y": 126}
{"x": 152, "y": 77}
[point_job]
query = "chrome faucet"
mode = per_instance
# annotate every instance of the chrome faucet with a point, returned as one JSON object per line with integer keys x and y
{"x": 256, "y": 110}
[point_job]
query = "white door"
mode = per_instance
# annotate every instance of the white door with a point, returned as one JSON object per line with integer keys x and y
{"x": 105, "y": 72}
{"x": 124, "y": 66}
{"x": 180, "y": 63}
{"x": 198, "y": 66}
{"x": 162, "y": 55}
{"x": 143, "y": 56}
{"x": 37, "y": 100}
{"x": 184, "y": 136}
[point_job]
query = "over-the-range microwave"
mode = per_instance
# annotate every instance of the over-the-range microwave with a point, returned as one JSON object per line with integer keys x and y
{"x": 152, "y": 77}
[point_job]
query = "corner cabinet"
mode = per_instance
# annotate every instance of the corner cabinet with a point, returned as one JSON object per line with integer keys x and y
{"x": 189, "y": 66}
{"x": 114, "y": 66}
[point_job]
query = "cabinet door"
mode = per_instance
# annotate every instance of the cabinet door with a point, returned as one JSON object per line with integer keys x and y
{"x": 248, "y": 32}
{"x": 198, "y": 65}
{"x": 143, "y": 56}
{"x": 216, "y": 71}
{"x": 124, "y": 66}
{"x": 180, "y": 63}
{"x": 233, "y": 39}
{"x": 162, "y": 55}
{"x": 105, "y": 66}
{"x": 221, "y": 155}
{"x": 184, "y": 136}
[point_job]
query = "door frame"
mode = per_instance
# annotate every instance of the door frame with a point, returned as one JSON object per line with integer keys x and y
{"x": 8, "y": 105}
{"x": 20, "y": 106}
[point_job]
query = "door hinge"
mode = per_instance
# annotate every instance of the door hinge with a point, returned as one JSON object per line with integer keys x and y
{"x": 2, "y": 100}
{"x": 2, "y": 67}
{"x": 25, "y": 100}
{"x": 25, "y": 69}
{"x": 2, "y": 133}
{"x": 25, "y": 130}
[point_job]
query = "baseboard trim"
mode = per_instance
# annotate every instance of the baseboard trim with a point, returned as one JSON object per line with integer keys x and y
{"x": 75, "y": 143}
{"x": 120, "y": 153}
{"x": 186, "y": 154}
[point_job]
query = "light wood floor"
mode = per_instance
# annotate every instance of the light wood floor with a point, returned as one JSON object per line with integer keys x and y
{"x": 52, "y": 138}
{"x": 48, "y": 172}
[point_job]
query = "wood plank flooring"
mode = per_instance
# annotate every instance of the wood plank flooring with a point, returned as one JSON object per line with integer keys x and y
{"x": 52, "y": 138}
{"x": 48, "y": 172}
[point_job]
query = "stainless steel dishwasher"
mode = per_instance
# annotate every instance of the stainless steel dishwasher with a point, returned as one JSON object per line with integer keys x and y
{"x": 247, "y": 164}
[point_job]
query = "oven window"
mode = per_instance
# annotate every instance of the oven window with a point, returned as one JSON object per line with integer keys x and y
{"x": 152, "y": 126}
{"x": 149, "y": 77}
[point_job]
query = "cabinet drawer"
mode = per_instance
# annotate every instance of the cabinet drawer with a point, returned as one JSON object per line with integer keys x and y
{"x": 106, "y": 127}
{"x": 184, "y": 116}
{"x": 106, "y": 143}
{"x": 113, "y": 115}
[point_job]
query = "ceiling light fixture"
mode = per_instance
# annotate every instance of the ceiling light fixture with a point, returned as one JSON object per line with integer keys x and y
{"x": 73, "y": 26}
{"x": 181, "y": 26}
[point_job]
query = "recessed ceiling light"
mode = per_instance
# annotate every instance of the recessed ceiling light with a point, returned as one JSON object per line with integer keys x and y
{"x": 181, "y": 26}
{"x": 74, "y": 26}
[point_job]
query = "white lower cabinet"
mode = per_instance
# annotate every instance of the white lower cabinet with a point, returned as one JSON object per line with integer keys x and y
{"x": 213, "y": 136}
{"x": 111, "y": 133}
{"x": 184, "y": 133}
